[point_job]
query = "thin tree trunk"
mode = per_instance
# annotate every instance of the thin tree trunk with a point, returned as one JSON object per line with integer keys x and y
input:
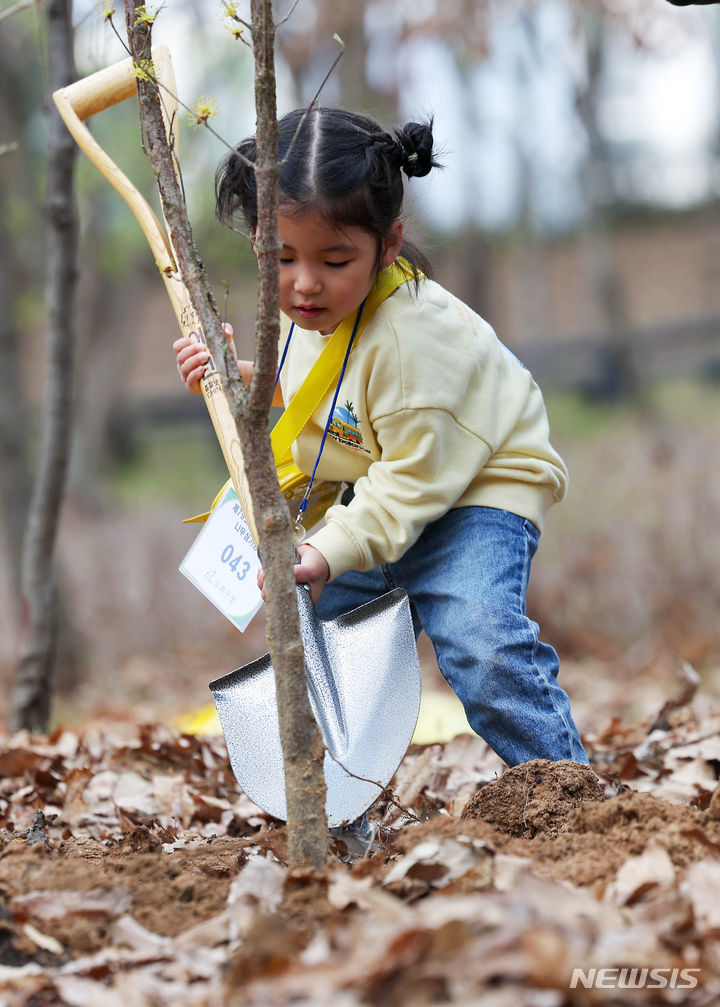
{"x": 621, "y": 377}
{"x": 33, "y": 684}
{"x": 301, "y": 742}
{"x": 15, "y": 479}
{"x": 15, "y": 279}
{"x": 300, "y": 737}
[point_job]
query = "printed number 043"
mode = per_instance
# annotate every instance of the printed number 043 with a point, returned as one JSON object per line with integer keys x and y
{"x": 237, "y": 564}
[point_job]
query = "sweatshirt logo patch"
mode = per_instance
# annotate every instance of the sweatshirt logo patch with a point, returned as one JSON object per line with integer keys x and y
{"x": 345, "y": 427}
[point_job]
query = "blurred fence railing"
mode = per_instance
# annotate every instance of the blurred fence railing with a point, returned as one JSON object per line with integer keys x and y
{"x": 583, "y": 364}
{"x": 678, "y": 350}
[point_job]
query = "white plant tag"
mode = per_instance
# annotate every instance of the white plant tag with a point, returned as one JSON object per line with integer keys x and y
{"x": 223, "y": 562}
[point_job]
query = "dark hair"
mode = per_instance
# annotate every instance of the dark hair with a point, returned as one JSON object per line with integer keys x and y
{"x": 342, "y": 165}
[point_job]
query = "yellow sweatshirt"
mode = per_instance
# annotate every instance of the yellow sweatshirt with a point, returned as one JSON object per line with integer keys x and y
{"x": 433, "y": 413}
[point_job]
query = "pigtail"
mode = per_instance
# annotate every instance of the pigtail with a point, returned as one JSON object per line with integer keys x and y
{"x": 416, "y": 148}
{"x": 236, "y": 186}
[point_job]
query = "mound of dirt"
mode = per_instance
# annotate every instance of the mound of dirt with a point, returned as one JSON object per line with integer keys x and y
{"x": 558, "y": 816}
{"x": 535, "y": 798}
{"x": 132, "y": 866}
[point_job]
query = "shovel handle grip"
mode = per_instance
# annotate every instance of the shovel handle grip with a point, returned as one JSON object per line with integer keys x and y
{"x": 78, "y": 102}
{"x": 105, "y": 88}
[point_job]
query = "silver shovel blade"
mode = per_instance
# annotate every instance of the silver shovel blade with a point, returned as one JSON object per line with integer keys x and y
{"x": 363, "y": 679}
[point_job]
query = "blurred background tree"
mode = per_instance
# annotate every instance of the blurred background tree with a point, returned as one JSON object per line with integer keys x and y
{"x": 577, "y": 211}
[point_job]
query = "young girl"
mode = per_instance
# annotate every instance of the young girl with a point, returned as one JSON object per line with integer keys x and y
{"x": 442, "y": 435}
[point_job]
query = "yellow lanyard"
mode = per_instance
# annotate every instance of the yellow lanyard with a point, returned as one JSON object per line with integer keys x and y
{"x": 327, "y": 366}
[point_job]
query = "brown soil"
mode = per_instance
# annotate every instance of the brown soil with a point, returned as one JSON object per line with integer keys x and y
{"x": 168, "y": 894}
{"x": 558, "y": 816}
{"x": 535, "y": 798}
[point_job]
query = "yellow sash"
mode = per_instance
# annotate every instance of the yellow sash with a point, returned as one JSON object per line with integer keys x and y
{"x": 327, "y": 366}
{"x": 311, "y": 393}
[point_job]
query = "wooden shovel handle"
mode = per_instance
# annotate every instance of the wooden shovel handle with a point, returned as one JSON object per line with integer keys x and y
{"x": 78, "y": 102}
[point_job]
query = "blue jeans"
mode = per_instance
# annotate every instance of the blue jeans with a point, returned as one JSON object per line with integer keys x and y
{"x": 467, "y": 577}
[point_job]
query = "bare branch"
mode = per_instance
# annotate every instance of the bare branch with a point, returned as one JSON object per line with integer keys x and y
{"x": 288, "y": 15}
{"x": 236, "y": 230}
{"x": 231, "y": 12}
{"x": 386, "y": 793}
{"x": 164, "y": 164}
{"x": 324, "y": 81}
{"x": 16, "y": 8}
{"x": 147, "y": 71}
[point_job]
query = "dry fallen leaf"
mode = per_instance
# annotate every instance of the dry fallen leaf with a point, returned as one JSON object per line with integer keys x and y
{"x": 44, "y": 941}
{"x": 51, "y": 905}
{"x": 639, "y": 874}
{"x": 436, "y": 862}
{"x": 158, "y": 870}
{"x": 701, "y": 884}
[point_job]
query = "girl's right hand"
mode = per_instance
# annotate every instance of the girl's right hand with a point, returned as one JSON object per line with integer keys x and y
{"x": 192, "y": 357}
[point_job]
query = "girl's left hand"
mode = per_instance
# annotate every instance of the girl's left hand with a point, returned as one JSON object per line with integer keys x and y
{"x": 312, "y": 569}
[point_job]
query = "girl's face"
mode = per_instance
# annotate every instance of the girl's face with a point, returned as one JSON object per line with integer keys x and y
{"x": 326, "y": 273}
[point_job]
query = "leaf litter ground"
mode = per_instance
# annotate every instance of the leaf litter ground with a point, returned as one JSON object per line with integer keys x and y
{"x": 134, "y": 871}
